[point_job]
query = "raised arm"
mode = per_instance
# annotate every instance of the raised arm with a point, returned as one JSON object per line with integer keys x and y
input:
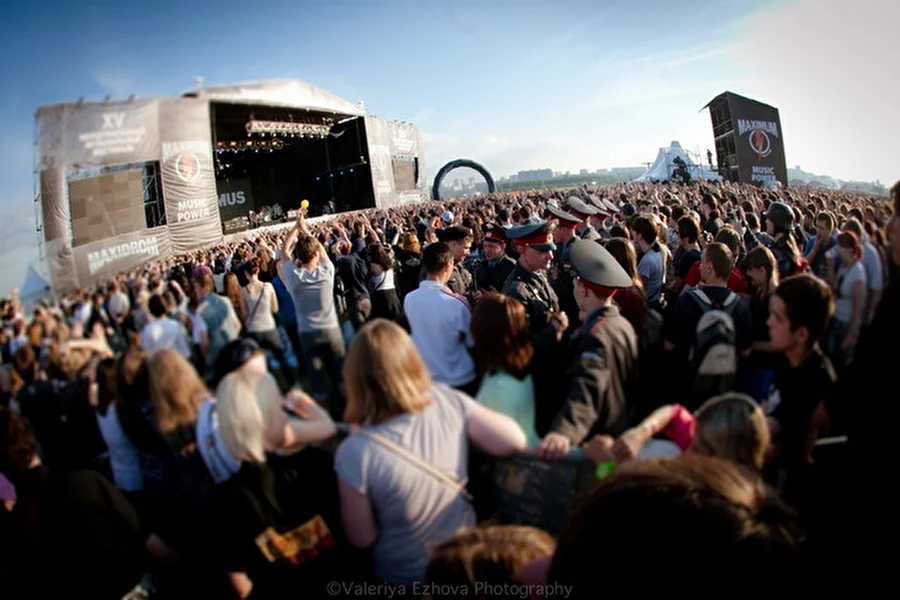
{"x": 315, "y": 424}
{"x": 287, "y": 246}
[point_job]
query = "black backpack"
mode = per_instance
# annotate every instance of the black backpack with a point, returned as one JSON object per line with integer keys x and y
{"x": 714, "y": 353}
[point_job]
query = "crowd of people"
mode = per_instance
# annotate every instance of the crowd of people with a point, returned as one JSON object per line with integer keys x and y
{"x": 308, "y": 409}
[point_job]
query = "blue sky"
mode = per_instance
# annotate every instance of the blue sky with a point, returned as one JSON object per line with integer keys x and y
{"x": 514, "y": 85}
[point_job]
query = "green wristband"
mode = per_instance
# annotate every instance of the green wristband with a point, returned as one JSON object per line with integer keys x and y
{"x": 604, "y": 469}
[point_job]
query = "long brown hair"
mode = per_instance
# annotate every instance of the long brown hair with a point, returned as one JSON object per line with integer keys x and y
{"x": 384, "y": 375}
{"x": 762, "y": 258}
{"x": 502, "y": 337}
{"x": 233, "y": 291}
{"x": 177, "y": 393}
{"x": 265, "y": 264}
{"x": 623, "y": 251}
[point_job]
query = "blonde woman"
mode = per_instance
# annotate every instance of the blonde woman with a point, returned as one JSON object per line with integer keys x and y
{"x": 401, "y": 477}
{"x": 285, "y": 529}
{"x": 196, "y": 458}
{"x": 730, "y": 426}
{"x": 252, "y": 420}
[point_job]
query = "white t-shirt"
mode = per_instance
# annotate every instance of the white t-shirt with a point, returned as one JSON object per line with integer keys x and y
{"x": 847, "y": 276}
{"x": 313, "y": 295}
{"x": 123, "y": 458}
{"x": 165, "y": 333}
{"x": 198, "y": 327}
{"x": 414, "y": 509}
{"x": 440, "y": 324}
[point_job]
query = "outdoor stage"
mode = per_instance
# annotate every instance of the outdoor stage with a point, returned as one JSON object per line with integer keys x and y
{"x": 123, "y": 183}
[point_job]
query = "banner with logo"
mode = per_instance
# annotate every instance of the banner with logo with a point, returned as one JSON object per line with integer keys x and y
{"x": 85, "y": 137}
{"x": 235, "y": 198}
{"x": 188, "y": 178}
{"x": 96, "y": 134}
{"x": 395, "y": 147}
{"x": 103, "y": 260}
{"x": 759, "y": 141}
{"x": 379, "y": 141}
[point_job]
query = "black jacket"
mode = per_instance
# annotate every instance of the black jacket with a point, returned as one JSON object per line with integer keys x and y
{"x": 600, "y": 390}
{"x": 492, "y": 278}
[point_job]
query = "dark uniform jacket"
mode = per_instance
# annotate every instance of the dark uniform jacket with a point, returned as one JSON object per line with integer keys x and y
{"x": 589, "y": 233}
{"x": 490, "y": 278}
{"x": 602, "y": 381}
{"x": 461, "y": 282}
{"x": 564, "y": 285}
{"x": 532, "y": 290}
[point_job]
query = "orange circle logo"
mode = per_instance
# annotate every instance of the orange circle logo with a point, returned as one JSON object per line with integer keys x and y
{"x": 187, "y": 166}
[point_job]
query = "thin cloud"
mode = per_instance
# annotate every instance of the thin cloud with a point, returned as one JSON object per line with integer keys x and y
{"x": 117, "y": 83}
{"x": 698, "y": 57}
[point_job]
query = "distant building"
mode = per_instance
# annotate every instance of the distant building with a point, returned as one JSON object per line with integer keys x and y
{"x": 535, "y": 175}
{"x": 583, "y": 172}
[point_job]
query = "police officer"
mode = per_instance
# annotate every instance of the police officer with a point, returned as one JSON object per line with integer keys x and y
{"x": 598, "y": 221}
{"x": 601, "y": 383}
{"x": 583, "y": 211}
{"x": 495, "y": 269}
{"x": 459, "y": 239}
{"x": 547, "y": 322}
{"x": 527, "y": 282}
{"x": 561, "y": 279}
{"x": 779, "y": 225}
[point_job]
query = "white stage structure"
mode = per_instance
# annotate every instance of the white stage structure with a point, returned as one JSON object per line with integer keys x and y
{"x": 665, "y": 166}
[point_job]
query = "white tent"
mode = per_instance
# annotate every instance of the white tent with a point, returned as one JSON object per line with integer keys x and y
{"x": 34, "y": 289}
{"x": 664, "y": 166}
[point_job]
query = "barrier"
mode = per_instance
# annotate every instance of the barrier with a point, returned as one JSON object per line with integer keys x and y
{"x": 526, "y": 490}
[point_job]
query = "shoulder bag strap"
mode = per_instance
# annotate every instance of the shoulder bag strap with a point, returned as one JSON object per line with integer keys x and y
{"x": 453, "y": 483}
{"x": 258, "y": 300}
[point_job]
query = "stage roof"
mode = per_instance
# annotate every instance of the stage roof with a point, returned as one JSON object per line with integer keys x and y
{"x": 289, "y": 93}
{"x": 725, "y": 95}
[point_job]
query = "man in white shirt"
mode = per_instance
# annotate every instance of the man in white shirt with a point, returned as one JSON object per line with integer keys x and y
{"x": 163, "y": 332}
{"x": 439, "y": 321}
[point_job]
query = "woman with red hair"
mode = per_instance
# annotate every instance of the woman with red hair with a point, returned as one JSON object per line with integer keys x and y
{"x": 504, "y": 352}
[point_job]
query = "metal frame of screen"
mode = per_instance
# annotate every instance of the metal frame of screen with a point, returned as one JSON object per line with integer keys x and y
{"x": 151, "y": 178}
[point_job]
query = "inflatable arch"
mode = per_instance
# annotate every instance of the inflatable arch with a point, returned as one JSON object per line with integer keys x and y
{"x": 455, "y": 164}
